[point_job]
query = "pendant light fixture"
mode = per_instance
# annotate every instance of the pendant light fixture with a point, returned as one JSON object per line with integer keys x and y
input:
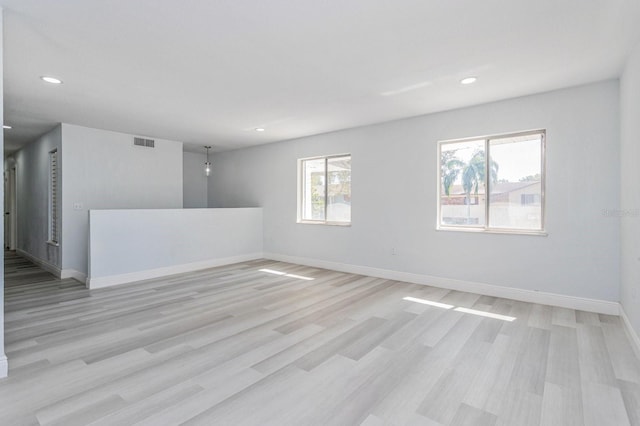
{"x": 207, "y": 164}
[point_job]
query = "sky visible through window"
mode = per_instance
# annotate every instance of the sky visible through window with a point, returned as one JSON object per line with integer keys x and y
{"x": 515, "y": 160}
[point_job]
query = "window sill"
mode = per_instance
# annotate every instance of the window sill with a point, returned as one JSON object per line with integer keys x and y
{"x": 310, "y": 222}
{"x": 52, "y": 243}
{"x": 493, "y": 231}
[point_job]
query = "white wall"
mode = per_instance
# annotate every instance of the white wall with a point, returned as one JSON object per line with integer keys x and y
{"x": 195, "y": 181}
{"x": 32, "y": 177}
{"x": 104, "y": 170}
{"x": 630, "y": 188}
{"x": 394, "y": 196}
{"x": 131, "y": 245}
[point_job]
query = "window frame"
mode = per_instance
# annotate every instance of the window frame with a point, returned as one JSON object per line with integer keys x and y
{"x": 486, "y": 228}
{"x": 53, "y": 232}
{"x": 301, "y": 185}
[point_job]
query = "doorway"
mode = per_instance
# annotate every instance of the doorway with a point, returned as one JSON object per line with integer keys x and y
{"x": 10, "y": 209}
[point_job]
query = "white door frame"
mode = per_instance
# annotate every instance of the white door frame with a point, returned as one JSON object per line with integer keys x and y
{"x": 10, "y": 209}
{"x": 13, "y": 211}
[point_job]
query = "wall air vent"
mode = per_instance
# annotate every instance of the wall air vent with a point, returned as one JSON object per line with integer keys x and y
{"x": 149, "y": 143}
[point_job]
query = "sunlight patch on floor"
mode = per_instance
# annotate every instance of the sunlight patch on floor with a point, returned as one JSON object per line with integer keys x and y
{"x": 460, "y": 309}
{"x": 284, "y": 274}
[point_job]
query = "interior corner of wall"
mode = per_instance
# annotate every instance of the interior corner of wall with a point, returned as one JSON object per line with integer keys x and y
{"x": 631, "y": 331}
{"x": 4, "y": 364}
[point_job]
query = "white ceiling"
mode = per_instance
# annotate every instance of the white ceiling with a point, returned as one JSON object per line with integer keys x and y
{"x": 209, "y": 72}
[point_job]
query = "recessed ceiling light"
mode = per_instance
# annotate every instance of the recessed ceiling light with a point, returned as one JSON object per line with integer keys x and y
{"x": 259, "y": 129}
{"x": 468, "y": 80}
{"x": 6, "y": 127}
{"x": 51, "y": 80}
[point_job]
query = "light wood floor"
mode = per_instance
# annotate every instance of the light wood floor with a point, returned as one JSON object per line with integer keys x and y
{"x": 238, "y": 346}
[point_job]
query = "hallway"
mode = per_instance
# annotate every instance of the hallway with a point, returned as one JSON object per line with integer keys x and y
{"x": 19, "y": 271}
{"x": 22, "y": 278}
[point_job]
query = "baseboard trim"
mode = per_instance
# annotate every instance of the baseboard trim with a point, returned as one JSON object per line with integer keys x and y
{"x": 76, "y": 275}
{"x": 49, "y": 267}
{"x": 111, "y": 280}
{"x": 631, "y": 332}
{"x": 4, "y": 366}
{"x": 553, "y": 299}
{"x": 544, "y": 298}
{"x": 59, "y": 273}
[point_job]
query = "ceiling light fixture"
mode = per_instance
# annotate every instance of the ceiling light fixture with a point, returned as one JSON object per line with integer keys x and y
{"x": 207, "y": 164}
{"x": 259, "y": 129}
{"x": 468, "y": 80}
{"x": 4, "y": 126}
{"x": 51, "y": 80}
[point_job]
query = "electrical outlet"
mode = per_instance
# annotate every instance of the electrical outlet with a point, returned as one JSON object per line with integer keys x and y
{"x": 393, "y": 251}
{"x": 77, "y": 206}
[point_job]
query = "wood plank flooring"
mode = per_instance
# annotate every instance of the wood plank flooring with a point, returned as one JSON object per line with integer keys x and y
{"x": 294, "y": 345}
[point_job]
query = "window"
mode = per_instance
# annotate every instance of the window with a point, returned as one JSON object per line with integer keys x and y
{"x": 325, "y": 190}
{"x": 53, "y": 197}
{"x": 513, "y": 174}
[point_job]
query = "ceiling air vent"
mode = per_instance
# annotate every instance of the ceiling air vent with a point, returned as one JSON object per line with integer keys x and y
{"x": 149, "y": 143}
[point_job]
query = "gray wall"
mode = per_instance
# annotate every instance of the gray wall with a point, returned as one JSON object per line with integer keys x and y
{"x": 3, "y": 358}
{"x": 394, "y": 183}
{"x": 195, "y": 182}
{"x": 630, "y": 188}
{"x": 32, "y": 177}
{"x": 104, "y": 170}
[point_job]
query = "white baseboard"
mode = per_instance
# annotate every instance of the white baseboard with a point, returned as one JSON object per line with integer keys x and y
{"x": 49, "y": 267}
{"x": 76, "y": 275}
{"x": 631, "y": 332}
{"x": 59, "y": 273}
{"x": 4, "y": 366}
{"x": 553, "y": 299}
{"x": 111, "y": 280}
